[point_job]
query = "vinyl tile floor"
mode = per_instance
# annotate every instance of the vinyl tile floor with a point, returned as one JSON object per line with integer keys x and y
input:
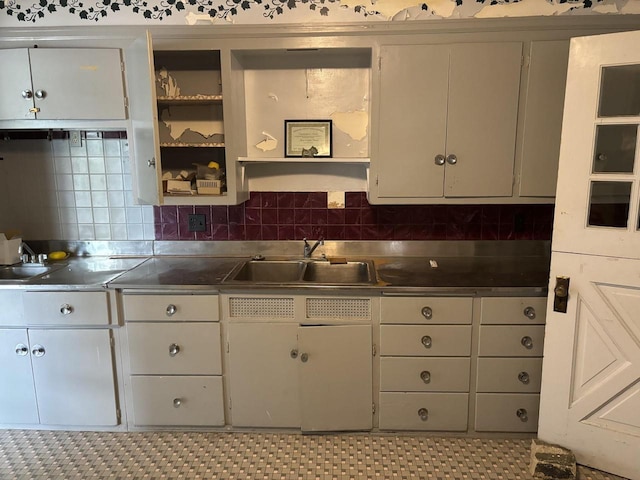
{"x": 30, "y": 454}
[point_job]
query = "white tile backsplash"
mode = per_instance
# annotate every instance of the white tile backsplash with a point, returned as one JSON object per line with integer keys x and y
{"x": 52, "y": 191}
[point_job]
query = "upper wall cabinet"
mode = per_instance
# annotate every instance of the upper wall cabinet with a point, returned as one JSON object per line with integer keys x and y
{"x": 447, "y": 122}
{"x": 542, "y": 114}
{"x": 61, "y": 84}
{"x": 179, "y": 124}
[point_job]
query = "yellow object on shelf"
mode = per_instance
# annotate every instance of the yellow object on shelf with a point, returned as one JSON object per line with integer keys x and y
{"x": 214, "y": 165}
{"x": 58, "y": 255}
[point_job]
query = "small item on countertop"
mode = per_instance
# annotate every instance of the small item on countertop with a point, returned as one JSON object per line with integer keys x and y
{"x": 337, "y": 260}
{"x": 433, "y": 264}
{"x": 58, "y": 255}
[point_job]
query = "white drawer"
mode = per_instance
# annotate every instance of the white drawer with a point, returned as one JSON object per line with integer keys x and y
{"x": 507, "y": 412}
{"x": 196, "y": 401}
{"x": 174, "y": 348}
{"x": 424, "y": 340}
{"x": 518, "y": 375}
{"x": 424, "y": 411}
{"x": 424, "y": 374}
{"x": 519, "y": 310}
{"x": 511, "y": 341}
{"x": 66, "y": 308}
{"x": 191, "y": 308}
{"x": 12, "y": 310}
{"x": 426, "y": 310}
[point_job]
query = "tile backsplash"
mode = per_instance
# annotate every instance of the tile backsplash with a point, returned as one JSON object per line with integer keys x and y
{"x": 51, "y": 189}
{"x": 293, "y": 216}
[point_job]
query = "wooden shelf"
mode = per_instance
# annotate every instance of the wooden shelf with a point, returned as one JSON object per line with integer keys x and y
{"x": 350, "y": 160}
{"x": 190, "y": 100}
{"x": 191, "y": 145}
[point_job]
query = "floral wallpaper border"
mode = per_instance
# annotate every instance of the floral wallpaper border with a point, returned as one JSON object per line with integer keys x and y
{"x": 149, "y": 11}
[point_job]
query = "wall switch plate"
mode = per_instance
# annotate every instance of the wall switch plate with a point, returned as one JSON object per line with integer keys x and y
{"x": 75, "y": 140}
{"x": 197, "y": 222}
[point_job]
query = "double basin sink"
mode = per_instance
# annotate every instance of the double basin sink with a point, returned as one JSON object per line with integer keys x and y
{"x": 302, "y": 272}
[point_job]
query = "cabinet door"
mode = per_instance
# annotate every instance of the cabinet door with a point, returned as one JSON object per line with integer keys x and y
{"x": 77, "y": 83}
{"x": 14, "y": 81}
{"x": 412, "y": 118}
{"x": 335, "y": 377}
{"x": 143, "y": 112}
{"x": 73, "y": 376}
{"x": 543, "y": 118}
{"x": 484, "y": 85}
{"x": 263, "y": 375}
{"x": 17, "y": 395}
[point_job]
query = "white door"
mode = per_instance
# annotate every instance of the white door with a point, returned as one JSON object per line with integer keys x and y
{"x": 335, "y": 377}
{"x": 74, "y": 377}
{"x": 15, "y": 78}
{"x": 590, "y": 400}
{"x": 17, "y": 395}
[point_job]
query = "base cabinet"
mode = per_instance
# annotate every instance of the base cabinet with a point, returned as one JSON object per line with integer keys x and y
{"x": 58, "y": 377}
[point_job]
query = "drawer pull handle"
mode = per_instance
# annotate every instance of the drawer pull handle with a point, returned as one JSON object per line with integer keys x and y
{"x": 66, "y": 309}
{"x": 427, "y": 312}
{"x": 38, "y": 351}
{"x": 423, "y": 413}
{"x": 174, "y": 349}
{"x": 530, "y": 313}
{"x": 522, "y": 414}
{"x": 427, "y": 341}
{"x": 304, "y": 357}
{"x": 177, "y": 402}
{"x": 171, "y": 310}
{"x": 523, "y": 377}
{"x": 425, "y": 375}
{"x": 21, "y": 350}
{"x": 527, "y": 342}
{"x": 294, "y": 353}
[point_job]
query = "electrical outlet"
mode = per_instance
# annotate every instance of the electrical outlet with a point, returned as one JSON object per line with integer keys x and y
{"x": 74, "y": 138}
{"x": 197, "y": 223}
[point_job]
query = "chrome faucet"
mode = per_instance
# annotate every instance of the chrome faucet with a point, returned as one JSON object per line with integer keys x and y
{"x": 30, "y": 256}
{"x": 308, "y": 249}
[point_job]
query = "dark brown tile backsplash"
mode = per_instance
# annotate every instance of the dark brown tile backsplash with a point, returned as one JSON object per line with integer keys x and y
{"x": 293, "y": 216}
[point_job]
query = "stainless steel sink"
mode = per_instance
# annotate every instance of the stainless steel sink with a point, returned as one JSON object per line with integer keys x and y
{"x": 24, "y": 273}
{"x": 302, "y": 272}
{"x": 339, "y": 273}
{"x": 264, "y": 271}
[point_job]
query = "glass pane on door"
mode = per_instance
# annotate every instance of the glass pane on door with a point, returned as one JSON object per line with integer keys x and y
{"x": 615, "y": 148}
{"x": 609, "y": 204}
{"x": 620, "y": 91}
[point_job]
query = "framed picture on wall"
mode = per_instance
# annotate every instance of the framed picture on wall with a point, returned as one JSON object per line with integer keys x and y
{"x": 308, "y": 138}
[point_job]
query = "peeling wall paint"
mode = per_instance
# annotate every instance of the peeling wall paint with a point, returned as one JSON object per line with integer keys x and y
{"x": 353, "y": 124}
{"x": 195, "y": 12}
{"x": 268, "y": 144}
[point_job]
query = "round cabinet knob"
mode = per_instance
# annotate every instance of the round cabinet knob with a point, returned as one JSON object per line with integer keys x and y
{"x": 41, "y": 94}
{"x": 439, "y": 159}
{"x": 151, "y": 163}
{"x": 38, "y": 351}
{"x": 423, "y": 413}
{"x": 66, "y": 309}
{"x": 21, "y": 350}
{"x": 171, "y": 310}
{"x": 522, "y": 414}
{"x": 174, "y": 349}
{"x": 177, "y": 402}
{"x": 425, "y": 375}
{"x": 530, "y": 313}
{"x": 294, "y": 353}
{"x": 27, "y": 94}
{"x": 523, "y": 377}
{"x": 426, "y": 341}
{"x": 452, "y": 159}
{"x": 304, "y": 358}
{"x": 527, "y": 342}
{"x": 427, "y": 312}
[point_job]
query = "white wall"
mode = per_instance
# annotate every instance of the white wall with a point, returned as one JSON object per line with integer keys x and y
{"x": 51, "y": 190}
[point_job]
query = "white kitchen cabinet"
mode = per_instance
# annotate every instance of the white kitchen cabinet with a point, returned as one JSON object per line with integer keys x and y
{"x": 180, "y": 118}
{"x": 447, "y": 122}
{"x": 174, "y": 359}
{"x": 59, "y": 377}
{"x": 62, "y": 84}
{"x": 311, "y": 371}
